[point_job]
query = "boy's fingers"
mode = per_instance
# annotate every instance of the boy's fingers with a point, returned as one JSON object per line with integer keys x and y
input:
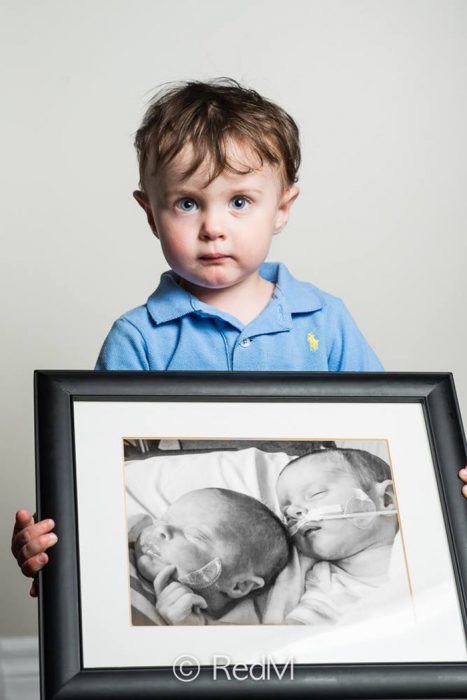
{"x": 199, "y": 601}
{"x": 176, "y": 613}
{"x": 34, "y": 564}
{"x": 174, "y": 592}
{"x": 463, "y": 474}
{"x": 36, "y": 546}
{"x": 162, "y": 578}
{"x": 179, "y": 609}
{"x": 23, "y": 518}
{"x": 185, "y": 606}
{"x": 29, "y": 533}
{"x": 177, "y": 594}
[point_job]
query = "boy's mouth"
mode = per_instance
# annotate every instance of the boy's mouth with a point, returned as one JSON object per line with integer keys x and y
{"x": 302, "y": 526}
{"x": 214, "y": 257}
{"x": 308, "y": 529}
{"x": 153, "y": 551}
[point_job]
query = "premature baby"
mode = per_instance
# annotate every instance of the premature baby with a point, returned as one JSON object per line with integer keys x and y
{"x": 339, "y": 507}
{"x": 211, "y": 548}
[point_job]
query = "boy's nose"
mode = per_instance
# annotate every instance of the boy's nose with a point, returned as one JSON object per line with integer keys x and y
{"x": 212, "y": 227}
{"x": 296, "y": 512}
{"x": 164, "y": 531}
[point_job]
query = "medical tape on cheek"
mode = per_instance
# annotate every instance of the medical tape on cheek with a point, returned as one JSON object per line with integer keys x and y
{"x": 203, "y": 577}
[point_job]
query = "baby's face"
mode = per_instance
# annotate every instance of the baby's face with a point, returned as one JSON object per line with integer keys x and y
{"x": 317, "y": 482}
{"x": 186, "y": 536}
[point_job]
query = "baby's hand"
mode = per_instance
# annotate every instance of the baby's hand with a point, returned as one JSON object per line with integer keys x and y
{"x": 175, "y": 602}
{"x": 463, "y": 477}
{"x": 29, "y": 542}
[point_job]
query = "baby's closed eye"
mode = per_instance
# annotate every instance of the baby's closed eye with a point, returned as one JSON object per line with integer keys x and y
{"x": 315, "y": 494}
{"x": 196, "y": 535}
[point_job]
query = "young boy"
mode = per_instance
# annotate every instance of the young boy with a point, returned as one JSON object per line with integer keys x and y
{"x": 212, "y": 549}
{"x": 218, "y": 170}
{"x": 339, "y": 507}
{"x": 218, "y": 166}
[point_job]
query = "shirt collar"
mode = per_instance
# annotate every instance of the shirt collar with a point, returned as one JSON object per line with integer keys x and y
{"x": 170, "y": 301}
{"x": 299, "y": 297}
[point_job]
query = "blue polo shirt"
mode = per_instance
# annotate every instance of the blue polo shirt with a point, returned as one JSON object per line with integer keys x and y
{"x": 301, "y": 329}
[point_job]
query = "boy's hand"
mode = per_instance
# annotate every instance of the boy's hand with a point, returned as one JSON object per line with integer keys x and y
{"x": 29, "y": 542}
{"x": 175, "y": 602}
{"x": 463, "y": 477}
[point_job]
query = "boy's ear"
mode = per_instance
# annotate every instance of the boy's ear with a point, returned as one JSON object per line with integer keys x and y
{"x": 283, "y": 210}
{"x": 241, "y": 585}
{"x": 143, "y": 202}
{"x": 386, "y": 495}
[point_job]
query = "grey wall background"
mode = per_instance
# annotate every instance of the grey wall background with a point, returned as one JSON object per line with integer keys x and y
{"x": 379, "y": 89}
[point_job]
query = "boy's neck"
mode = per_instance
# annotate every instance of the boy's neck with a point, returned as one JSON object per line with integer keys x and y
{"x": 219, "y": 604}
{"x": 372, "y": 561}
{"x": 244, "y": 301}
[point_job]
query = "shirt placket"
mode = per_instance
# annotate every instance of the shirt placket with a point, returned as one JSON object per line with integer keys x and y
{"x": 274, "y": 319}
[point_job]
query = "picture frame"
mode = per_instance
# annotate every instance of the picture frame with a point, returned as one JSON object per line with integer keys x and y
{"x": 89, "y": 644}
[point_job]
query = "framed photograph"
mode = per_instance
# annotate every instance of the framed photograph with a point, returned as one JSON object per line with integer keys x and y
{"x": 254, "y": 533}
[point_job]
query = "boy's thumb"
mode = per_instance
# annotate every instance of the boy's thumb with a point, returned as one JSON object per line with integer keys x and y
{"x": 163, "y": 578}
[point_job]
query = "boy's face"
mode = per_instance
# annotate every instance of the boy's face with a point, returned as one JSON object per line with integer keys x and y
{"x": 217, "y": 236}
{"x": 186, "y": 535}
{"x": 318, "y": 481}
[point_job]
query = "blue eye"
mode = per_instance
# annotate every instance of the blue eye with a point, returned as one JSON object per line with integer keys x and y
{"x": 239, "y": 203}
{"x": 186, "y": 204}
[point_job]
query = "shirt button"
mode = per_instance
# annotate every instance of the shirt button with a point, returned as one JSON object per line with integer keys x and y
{"x": 245, "y": 343}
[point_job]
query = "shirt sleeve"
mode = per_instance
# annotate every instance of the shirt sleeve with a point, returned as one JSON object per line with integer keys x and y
{"x": 124, "y": 348}
{"x": 349, "y": 351}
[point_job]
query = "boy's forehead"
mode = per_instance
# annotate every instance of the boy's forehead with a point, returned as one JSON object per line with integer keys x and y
{"x": 315, "y": 466}
{"x": 241, "y": 158}
{"x": 191, "y": 497}
{"x": 202, "y": 501}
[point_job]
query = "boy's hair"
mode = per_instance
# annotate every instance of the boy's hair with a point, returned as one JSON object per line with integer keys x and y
{"x": 258, "y": 536}
{"x": 367, "y": 468}
{"x": 208, "y": 114}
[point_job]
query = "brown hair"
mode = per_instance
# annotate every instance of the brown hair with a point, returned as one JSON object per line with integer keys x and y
{"x": 206, "y": 115}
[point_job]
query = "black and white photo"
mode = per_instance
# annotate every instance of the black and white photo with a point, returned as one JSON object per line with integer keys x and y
{"x": 256, "y": 532}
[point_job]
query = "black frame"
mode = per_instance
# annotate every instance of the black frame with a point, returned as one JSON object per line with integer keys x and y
{"x": 62, "y": 672}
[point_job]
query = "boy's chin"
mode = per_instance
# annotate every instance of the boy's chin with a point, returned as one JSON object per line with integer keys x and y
{"x": 304, "y": 546}
{"x": 151, "y": 569}
{"x": 325, "y": 552}
{"x": 311, "y": 547}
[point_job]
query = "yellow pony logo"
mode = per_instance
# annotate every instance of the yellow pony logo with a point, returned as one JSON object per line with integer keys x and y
{"x": 313, "y": 342}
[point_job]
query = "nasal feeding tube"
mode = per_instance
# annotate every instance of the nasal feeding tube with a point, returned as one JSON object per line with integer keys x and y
{"x": 359, "y": 508}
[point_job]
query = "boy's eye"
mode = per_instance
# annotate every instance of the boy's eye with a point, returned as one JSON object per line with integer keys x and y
{"x": 194, "y": 535}
{"x": 186, "y": 204}
{"x": 239, "y": 203}
{"x": 314, "y": 494}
